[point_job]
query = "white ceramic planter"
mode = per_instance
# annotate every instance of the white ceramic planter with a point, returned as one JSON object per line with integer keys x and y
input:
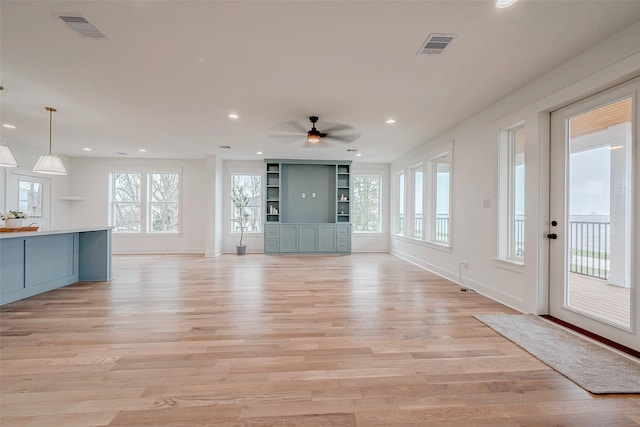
{"x": 13, "y": 222}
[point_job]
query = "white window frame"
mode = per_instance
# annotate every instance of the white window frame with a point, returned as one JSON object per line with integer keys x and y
{"x": 399, "y": 223}
{"x": 145, "y": 202}
{"x": 507, "y": 216}
{"x": 432, "y": 204}
{"x": 379, "y": 177}
{"x": 414, "y": 205}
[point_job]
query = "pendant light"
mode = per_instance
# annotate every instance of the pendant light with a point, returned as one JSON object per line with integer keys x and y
{"x": 50, "y": 163}
{"x": 7, "y": 159}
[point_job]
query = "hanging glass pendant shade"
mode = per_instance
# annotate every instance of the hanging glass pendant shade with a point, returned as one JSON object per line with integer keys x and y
{"x": 7, "y": 159}
{"x": 50, "y": 163}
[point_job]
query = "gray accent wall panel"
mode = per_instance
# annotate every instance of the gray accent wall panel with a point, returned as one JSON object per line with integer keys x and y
{"x": 308, "y": 179}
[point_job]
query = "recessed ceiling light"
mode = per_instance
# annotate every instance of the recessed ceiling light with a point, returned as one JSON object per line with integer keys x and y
{"x": 7, "y": 125}
{"x": 87, "y": 149}
{"x": 359, "y": 155}
{"x": 258, "y": 152}
{"x": 233, "y": 116}
{"x": 390, "y": 121}
{"x": 504, "y": 3}
{"x": 142, "y": 150}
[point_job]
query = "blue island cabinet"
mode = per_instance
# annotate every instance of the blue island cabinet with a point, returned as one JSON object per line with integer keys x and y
{"x": 33, "y": 263}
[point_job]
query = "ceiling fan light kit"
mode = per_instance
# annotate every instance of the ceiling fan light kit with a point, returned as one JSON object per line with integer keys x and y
{"x": 313, "y": 136}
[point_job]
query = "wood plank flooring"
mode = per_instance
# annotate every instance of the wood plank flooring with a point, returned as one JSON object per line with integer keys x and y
{"x": 358, "y": 340}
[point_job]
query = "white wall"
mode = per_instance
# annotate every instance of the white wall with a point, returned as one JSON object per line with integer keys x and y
{"x": 475, "y": 176}
{"x": 60, "y": 185}
{"x": 90, "y": 180}
{"x": 214, "y": 206}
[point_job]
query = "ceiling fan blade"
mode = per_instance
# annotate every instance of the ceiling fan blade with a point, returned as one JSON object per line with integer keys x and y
{"x": 330, "y": 127}
{"x": 290, "y": 127}
{"x": 343, "y": 138}
{"x": 289, "y": 138}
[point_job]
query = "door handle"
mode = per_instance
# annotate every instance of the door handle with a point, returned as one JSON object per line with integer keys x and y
{"x": 552, "y": 236}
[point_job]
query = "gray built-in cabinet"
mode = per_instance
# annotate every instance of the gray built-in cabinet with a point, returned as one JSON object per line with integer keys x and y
{"x": 308, "y": 207}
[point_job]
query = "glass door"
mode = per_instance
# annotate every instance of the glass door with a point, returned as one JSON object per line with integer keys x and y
{"x": 31, "y": 194}
{"x": 593, "y": 226}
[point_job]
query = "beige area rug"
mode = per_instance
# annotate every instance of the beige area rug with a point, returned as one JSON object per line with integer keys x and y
{"x": 591, "y": 366}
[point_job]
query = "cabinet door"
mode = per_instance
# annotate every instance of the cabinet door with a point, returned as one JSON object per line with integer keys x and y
{"x": 288, "y": 238}
{"x": 11, "y": 265}
{"x": 307, "y": 238}
{"x": 271, "y": 245}
{"x": 272, "y": 231}
{"x": 344, "y": 245}
{"x": 51, "y": 260}
{"x": 344, "y": 231}
{"x": 326, "y": 238}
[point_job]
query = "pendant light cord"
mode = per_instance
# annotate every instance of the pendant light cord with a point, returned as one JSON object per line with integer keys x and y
{"x": 50, "y": 128}
{"x": 50, "y": 110}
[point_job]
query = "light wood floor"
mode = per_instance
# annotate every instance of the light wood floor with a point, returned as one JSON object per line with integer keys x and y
{"x": 366, "y": 340}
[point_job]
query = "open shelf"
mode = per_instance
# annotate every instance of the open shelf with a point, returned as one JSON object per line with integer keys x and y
{"x": 273, "y": 193}
{"x": 343, "y": 193}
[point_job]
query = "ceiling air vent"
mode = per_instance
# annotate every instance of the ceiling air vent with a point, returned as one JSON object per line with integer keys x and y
{"x": 435, "y": 43}
{"x": 83, "y": 27}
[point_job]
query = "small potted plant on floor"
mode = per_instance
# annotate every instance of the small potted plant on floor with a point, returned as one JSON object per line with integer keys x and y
{"x": 240, "y": 200}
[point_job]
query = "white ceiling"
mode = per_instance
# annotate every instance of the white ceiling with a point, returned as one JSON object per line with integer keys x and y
{"x": 171, "y": 71}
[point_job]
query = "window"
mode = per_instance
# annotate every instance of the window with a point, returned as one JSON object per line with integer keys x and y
{"x": 399, "y": 227}
{"x": 249, "y": 185}
{"x": 512, "y": 180}
{"x": 126, "y": 206}
{"x": 366, "y": 203}
{"x": 163, "y": 202}
{"x": 441, "y": 198}
{"x": 418, "y": 179}
{"x": 145, "y": 203}
{"x": 30, "y": 198}
{"x": 28, "y": 193}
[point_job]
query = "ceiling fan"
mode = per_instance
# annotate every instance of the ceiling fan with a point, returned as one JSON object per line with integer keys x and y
{"x": 331, "y": 132}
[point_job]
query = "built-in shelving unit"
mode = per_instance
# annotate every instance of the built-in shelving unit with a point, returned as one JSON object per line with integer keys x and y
{"x": 273, "y": 192}
{"x": 343, "y": 194}
{"x": 308, "y": 206}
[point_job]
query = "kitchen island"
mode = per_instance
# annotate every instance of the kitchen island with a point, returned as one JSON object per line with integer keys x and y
{"x": 34, "y": 262}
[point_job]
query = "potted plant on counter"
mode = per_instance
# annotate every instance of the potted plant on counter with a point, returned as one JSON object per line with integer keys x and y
{"x": 240, "y": 200}
{"x": 13, "y": 219}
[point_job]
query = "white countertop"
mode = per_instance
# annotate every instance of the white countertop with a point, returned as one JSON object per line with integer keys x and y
{"x": 13, "y": 234}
